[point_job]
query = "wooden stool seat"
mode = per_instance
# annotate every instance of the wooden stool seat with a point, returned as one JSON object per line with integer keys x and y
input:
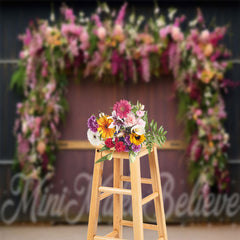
{"x": 100, "y": 192}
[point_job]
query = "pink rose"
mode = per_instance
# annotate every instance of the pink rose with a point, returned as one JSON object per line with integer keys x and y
{"x": 176, "y": 34}
{"x": 101, "y": 33}
{"x": 205, "y": 35}
{"x": 141, "y": 122}
{"x": 140, "y": 113}
{"x": 130, "y": 120}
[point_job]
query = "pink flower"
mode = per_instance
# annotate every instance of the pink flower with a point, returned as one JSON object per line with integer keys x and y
{"x": 198, "y": 112}
{"x": 176, "y": 34}
{"x": 140, "y": 113}
{"x": 199, "y": 122}
{"x": 141, "y": 122}
{"x": 71, "y": 28}
{"x": 205, "y": 35}
{"x": 73, "y": 47}
{"x": 26, "y": 38}
{"x": 97, "y": 20}
{"x": 131, "y": 120}
{"x": 210, "y": 111}
{"x": 68, "y": 13}
{"x": 145, "y": 69}
{"x": 121, "y": 14}
{"x": 101, "y": 33}
{"x": 164, "y": 32}
{"x": 84, "y": 36}
{"x": 36, "y": 44}
{"x": 122, "y": 108}
{"x": 23, "y": 146}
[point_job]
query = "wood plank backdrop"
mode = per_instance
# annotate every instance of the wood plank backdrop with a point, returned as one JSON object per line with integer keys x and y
{"x": 88, "y": 98}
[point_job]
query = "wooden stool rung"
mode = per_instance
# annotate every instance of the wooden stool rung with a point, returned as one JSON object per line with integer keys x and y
{"x": 107, "y": 238}
{"x": 148, "y": 226}
{"x": 150, "y": 198}
{"x": 115, "y": 190}
{"x": 105, "y": 195}
{"x": 112, "y": 234}
{"x": 143, "y": 180}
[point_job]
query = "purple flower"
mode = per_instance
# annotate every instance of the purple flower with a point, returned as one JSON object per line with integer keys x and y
{"x": 127, "y": 140}
{"x": 136, "y": 148}
{"x": 126, "y": 149}
{"x": 92, "y": 124}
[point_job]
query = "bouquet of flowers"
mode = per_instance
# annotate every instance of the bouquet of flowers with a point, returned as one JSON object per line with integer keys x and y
{"x": 125, "y": 130}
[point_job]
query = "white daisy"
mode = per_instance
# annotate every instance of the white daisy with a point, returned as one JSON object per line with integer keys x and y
{"x": 94, "y": 138}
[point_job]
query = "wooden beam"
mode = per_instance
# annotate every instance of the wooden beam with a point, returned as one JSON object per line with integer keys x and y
{"x": 145, "y": 225}
{"x": 149, "y": 198}
{"x": 85, "y": 145}
{"x": 143, "y": 180}
{"x": 115, "y": 190}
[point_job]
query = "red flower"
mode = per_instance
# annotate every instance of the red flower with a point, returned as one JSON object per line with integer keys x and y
{"x": 109, "y": 143}
{"x": 120, "y": 147}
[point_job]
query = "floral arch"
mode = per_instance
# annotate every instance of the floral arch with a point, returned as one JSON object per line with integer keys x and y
{"x": 111, "y": 50}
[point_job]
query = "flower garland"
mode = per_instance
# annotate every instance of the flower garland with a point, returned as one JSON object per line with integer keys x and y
{"x": 126, "y": 130}
{"x": 107, "y": 48}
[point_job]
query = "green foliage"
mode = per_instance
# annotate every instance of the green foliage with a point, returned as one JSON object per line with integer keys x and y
{"x": 104, "y": 148}
{"x": 18, "y": 79}
{"x": 155, "y": 135}
{"x": 104, "y": 158}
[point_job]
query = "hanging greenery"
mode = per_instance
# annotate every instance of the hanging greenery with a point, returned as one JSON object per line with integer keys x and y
{"x": 110, "y": 49}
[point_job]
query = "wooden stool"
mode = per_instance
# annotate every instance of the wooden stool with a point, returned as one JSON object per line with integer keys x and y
{"x": 100, "y": 192}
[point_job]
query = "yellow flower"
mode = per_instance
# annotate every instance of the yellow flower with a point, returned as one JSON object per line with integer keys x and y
{"x": 207, "y": 76}
{"x": 104, "y": 130}
{"x": 137, "y": 139}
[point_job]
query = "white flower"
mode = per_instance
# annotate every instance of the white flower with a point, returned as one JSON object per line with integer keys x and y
{"x": 138, "y": 129}
{"x": 156, "y": 10}
{"x": 94, "y": 138}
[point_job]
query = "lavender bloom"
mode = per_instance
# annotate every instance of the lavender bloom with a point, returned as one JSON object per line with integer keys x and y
{"x": 136, "y": 148}
{"x": 92, "y": 124}
{"x": 127, "y": 140}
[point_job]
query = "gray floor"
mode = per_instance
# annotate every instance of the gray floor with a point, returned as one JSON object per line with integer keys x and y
{"x": 31, "y": 232}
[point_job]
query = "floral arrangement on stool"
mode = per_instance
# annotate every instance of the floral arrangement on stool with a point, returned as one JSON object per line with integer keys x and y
{"x": 126, "y": 130}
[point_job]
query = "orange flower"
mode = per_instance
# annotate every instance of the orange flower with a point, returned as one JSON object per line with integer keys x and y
{"x": 207, "y": 76}
{"x": 104, "y": 123}
{"x": 208, "y": 50}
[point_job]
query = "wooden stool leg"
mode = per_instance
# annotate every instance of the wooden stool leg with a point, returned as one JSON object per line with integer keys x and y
{"x": 158, "y": 202}
{"x": 117, "y": 198}
{"x": 136, "y": 199}
{"x": 95, "y": 198}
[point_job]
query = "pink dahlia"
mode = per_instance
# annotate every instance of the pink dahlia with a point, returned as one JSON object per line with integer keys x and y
{"x": 122, "y": 108}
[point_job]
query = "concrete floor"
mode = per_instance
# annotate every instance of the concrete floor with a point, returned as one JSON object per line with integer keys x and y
{"x": 79, "y": 232}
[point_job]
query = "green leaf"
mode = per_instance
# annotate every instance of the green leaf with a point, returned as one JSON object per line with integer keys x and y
{"x": 18, "y": 79}
{"x": 155, "y": 127}
{"x": 106, "y": 157}
{"x": 104, "y": 148}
